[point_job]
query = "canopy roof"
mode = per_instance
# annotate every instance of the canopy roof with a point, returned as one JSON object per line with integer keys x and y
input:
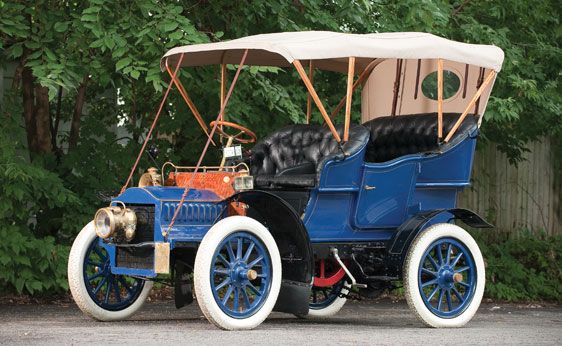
{"x": 330, "y": 50}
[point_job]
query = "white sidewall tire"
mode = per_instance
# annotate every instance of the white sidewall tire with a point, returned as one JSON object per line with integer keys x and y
{"x": 202, "y": 269}
{"x": 331, "y": 309}
{"x": 78, "y": 287}
{"x": 411, "y": 266}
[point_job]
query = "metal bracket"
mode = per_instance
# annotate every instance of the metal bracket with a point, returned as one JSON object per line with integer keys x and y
{"x": 353, "y": 281}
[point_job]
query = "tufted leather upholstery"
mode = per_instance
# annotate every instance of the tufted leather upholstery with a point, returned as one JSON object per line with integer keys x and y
{"x": 392, "y": 137}
{"x": 294, "y": 155}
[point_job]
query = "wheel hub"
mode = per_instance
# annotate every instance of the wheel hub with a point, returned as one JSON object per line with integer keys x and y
{"x": 446, "y": 277}
{"x": 241, "y": 275}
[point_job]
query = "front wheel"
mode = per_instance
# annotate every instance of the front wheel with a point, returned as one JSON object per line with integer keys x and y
{"x": 97, "y": 292}
{"x": 237, "y": 273}
{"x": 444, "y": 276}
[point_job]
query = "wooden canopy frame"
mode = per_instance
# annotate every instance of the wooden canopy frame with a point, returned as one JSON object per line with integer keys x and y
{"x": 346, "y": 101}
{"x": 476, "y": 97}
{"x": 313, "y": 96}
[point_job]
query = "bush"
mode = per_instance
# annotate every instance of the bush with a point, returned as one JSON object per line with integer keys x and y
{"x": 523, "y": 267}
{"x": 32, "y": 262}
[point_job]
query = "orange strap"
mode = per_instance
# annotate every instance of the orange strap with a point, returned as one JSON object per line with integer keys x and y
{"x": 213, "y": 130}
{"x": 153, "y": 125}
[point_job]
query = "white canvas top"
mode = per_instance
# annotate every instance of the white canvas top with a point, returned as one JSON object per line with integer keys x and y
{"x": 330, "y": 50}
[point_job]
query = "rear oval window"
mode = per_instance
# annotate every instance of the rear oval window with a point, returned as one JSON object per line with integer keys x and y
{"x": 451, "y": 85}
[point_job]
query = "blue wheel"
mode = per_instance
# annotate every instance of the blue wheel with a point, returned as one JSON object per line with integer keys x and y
{"x": 96, "y": 291}
{"x": 444, "y": 276}
{"x": 237, "y": 273}
{"x": 241, "y": 274}
{"x": 110, "y": 292}
{"x": 447, "y": 277}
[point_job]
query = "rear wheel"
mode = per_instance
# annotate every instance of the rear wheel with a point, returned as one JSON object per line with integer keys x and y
{"x": 328, "y": 290}
{"x": 97, "y": 292}
{"x": 444, "y": 276}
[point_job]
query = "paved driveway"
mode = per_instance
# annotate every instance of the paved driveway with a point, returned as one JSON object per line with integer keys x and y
{"x": 359, "y": 323}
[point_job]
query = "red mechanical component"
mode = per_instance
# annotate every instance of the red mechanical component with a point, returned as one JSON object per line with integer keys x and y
{"x": 329, "y": 273}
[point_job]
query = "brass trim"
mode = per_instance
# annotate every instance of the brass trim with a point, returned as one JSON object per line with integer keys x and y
{"x": 162, "y": 258}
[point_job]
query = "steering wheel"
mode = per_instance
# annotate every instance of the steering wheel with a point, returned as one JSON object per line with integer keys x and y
{"x": 245, "y": 136}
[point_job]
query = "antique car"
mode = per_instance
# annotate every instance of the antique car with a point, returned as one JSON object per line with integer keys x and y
{"x": 312, "y": 214}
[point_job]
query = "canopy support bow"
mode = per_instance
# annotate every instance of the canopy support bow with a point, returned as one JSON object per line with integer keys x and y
{"x": 312, "y": 91}
{"x": 156, "y": 117}
{"x": 213, "y": 130}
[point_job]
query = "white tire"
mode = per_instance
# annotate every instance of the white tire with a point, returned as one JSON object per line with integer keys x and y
{"x": 221, "y": 235}
{"x": 79, "y": 290}
{"x": 324, "y": 311}
{"x": 449, "y": 274}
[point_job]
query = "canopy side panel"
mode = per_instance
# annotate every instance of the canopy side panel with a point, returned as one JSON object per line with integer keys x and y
{"x": 378, "y": 92}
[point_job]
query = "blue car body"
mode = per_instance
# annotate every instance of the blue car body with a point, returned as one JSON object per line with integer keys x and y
{"x": 354, "y": 200}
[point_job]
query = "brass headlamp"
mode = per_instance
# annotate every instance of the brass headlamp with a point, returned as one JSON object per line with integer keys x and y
{"x": 115, "y": 221}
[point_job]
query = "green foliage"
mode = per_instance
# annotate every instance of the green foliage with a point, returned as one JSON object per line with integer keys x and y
{"x": 30, "y": 262}
{"x": 527, "y": 98}
{"x": 528, "y": 267}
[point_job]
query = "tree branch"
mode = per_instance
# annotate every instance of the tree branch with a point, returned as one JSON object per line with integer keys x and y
{"x": 77, "y": 114}
{"x": 460, "y": 8}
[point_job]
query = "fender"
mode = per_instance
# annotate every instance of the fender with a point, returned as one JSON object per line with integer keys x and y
{"x": 293, "y": 242}
{"x": 398, "y": 245}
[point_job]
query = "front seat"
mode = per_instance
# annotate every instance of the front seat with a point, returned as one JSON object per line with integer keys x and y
{"x": 293, "y": 157}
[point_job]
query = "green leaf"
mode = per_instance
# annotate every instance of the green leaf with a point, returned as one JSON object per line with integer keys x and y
{"x": 50, "y": 55}
{"x": 109, "y": 42}
{"x": 61, "y": 26}
{"x": 119, "y": 52}
{"x": 89, "y": 18}
{"x": 16, "y": 50}
{"x": 169, "y": 26}
{"x": 97, "y": 43}
{"x": 123, "y": 63}
{"x": 135, "y": 74}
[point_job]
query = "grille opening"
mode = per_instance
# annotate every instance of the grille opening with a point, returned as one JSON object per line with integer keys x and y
{"x": 137, "y": 258}
{"x": 145, "y": 223}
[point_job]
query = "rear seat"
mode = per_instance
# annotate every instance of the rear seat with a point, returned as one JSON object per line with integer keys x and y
{"x": 395, "y": 136}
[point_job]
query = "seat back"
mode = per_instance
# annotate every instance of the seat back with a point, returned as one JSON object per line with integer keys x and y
{"x": 298, "y": 144}
{"x": 395, "y": 136}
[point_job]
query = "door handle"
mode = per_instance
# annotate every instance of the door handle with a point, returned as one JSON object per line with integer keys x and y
{"x": 368, "y": 187}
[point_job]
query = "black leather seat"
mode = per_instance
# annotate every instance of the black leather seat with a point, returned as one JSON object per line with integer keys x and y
{"x": 294, "y": 155}
{"x": 395, "y": 136}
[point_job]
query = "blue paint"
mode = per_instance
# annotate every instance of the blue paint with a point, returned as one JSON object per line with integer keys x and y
{"x": 340, "y": 209}
{"x": 234, "y": 293}
{"x": 201, "y": 209}
{"x": 440, "y": 293}
{"x": 386, "y": 194}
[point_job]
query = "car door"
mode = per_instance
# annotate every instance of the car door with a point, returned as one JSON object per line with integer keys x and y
{"x": 385, "y": 194}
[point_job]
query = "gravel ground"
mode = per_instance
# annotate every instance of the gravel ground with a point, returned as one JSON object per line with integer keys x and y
{"x": 359, "y": 323}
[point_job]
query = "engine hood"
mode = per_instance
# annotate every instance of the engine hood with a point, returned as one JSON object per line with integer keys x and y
{"x": 157, "y": 194}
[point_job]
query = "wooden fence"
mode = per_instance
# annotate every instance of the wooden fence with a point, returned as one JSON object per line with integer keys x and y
{"x": 515, "y": 198}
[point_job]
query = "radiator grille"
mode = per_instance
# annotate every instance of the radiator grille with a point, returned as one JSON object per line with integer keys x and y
{"x": 136, "y": 258}
{"x": 145, "y": 223}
